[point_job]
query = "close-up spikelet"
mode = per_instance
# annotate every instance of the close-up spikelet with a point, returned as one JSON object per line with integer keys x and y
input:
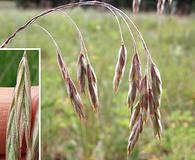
{"x": 19, "y": 119}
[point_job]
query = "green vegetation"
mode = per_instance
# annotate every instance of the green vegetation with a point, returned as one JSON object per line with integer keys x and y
{"x": 171, "y": 41}
{"x": 9, "y": 61}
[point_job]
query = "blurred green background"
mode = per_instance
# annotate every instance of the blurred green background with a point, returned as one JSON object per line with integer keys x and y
{"x": 171, "y": 41}
{"x": 9, "y": 61}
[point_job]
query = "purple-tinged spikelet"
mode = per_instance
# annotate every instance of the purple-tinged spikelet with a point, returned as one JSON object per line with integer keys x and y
{"x": 81, "y": 72}
{"x": 120, "y": 67}
{"x": 92, "y": 86}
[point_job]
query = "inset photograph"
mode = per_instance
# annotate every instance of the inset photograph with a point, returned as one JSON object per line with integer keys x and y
{"x": 19, "y": 103}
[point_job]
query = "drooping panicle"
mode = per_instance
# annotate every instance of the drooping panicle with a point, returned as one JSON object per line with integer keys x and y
{"x": 135, "y": 6}
{"x": 120, "y": 67}
{"x": 156, "y": 84}
{"x": 92, "y": 86}
{"x": 71, "y": 89}
{"x": 81, "y": 72}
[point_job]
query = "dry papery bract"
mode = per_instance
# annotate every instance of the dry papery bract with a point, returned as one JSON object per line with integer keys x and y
{"x": 144, "y": 90}
{"x": 19, "y": 119}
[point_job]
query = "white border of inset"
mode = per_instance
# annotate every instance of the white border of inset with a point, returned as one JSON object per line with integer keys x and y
{"x": 39, "y": 108}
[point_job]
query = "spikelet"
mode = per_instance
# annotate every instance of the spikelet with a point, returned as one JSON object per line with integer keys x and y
{"x": 144, "y": 93}
{"x": 62, "y": 66}
{"x": 154, "y": 115}
{"x": 155, "y": 97}
{"x": 136, "y": 130}
{"x": 19, "y": 119}
{"x": 131, "y": 95}
{"x": 135, "y": 114}
{"x": 27, "y": 102}
{"x": 156, "y": 123}
{"x": 156, "y": 84}
{"x": 135, "y": 71}
{"x": 151, "y": 102}
{"x": 92, "y": 87}
{"x": 81, "y": 72}
{"x": 134, "y": 80}
{"x": 75, "y": 98}
{"x": 144, "y": 97}
{"x": 120, "y": 67}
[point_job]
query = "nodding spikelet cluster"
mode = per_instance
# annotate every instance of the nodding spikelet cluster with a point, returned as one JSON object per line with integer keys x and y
{"x": 148, "y": 94}
{"x": 19, "y": 119}
{"x": 71, "y": 88}
{"x": 84, "y": 70}
{"x": 120, "y": 67}
{"x": 135, "y": 5}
